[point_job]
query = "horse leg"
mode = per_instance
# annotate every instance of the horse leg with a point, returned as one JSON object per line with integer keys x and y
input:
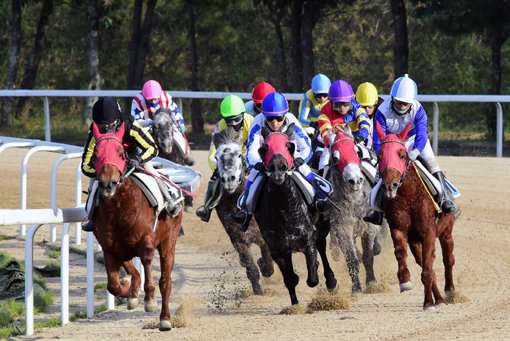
{"x": 351, "y": 258}
{"x": 428, "y": 276}
{"x": 135, "y": 284}
{"x": 400, "y": 245}
{"x": 167, "y": 257}
{"x": 367, "y": 243}
{"x": 323, "y": 228}
{"x": 447, "y": 244}
{"x": 114, "y": 286}
{"x": 247, "y": 262}
{"x": 146, "y": 257}
{"x": 417, "y": 252}
{"x": 290, "y": 278}
{"x": 311, "y": 262}
{"x": 265, "y": 262}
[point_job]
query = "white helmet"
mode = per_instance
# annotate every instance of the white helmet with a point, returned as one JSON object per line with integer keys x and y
{"x": 404, "y": 89}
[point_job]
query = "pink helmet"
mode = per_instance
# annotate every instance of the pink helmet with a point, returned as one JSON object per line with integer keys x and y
{"x": 151, "y": 90}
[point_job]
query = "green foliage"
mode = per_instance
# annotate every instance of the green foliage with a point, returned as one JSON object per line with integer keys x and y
{"x": 10, "y": 311}
{"x": 3, "y": 237}
{"x": 78, "y": 315}
{"x": 100, "y": 286}
{"x": 4, "y": 258}
{"x": 54, "y": 254}
{"x": 42, "y": 299}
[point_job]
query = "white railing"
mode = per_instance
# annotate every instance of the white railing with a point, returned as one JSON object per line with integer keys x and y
{"x": 435, "y": 99}
{"x": 186, "y": 177}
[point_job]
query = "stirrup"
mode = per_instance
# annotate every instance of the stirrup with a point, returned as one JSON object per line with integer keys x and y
{"x": 375, "y": 218}
{"x": 173, "y": 210}
{"x": 203, "y": 213}
{"x": 88, "y": 227}
{"x": 322, "y": 205}
{"x": 240, "y": 218}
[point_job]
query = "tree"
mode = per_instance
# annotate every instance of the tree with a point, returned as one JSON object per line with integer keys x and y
{"x": 35, "y": 56}
{"x": 401, "y": 44}
{"x": 197, "y": 121}
{"x": 95, "y": 77}
{"x": 12, "y": 69}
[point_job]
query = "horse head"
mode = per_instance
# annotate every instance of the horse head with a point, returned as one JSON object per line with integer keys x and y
{"x": 393, "y": 160}
{"x": 162, "y": 129}
{"x": 277, "y": 153}
{"x": 231, "y": 160}
{"x": 110, "y": 159}
{"x": 345, "y": 158}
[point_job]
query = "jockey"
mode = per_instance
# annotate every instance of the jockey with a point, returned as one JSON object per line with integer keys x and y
{"x": 368, "y": 97}
{"x": 394, "y": 114}
{"x": 233, "y": 114}
{"x": 342, "y": 110}
{"x": 147, "y": 102}
{"x": 260, "y": 91}
{"x": 140, "y": 147}
{"x": 313, "y": 100}
{"x": 275, "y": 117}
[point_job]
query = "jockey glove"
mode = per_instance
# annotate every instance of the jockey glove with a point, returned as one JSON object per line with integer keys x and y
{"x": 298, "y": 162}
{"x": 314, "y": 125}
{"x": 132, "y": 163}
{"x": 260, "y": 166}
{"x": 358, "y": 139}
{"x": 413, "y": 154}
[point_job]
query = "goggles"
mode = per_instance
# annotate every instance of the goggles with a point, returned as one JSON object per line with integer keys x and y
{"x": 275, "y": 118}
{"x": 234, "y": 120}
{"x": 338, "y": 105}
{"x": 370, "y": 107}
{"x": 106, "y": 128}
{"x": 321, "y": 95}
{"x": 258, "y": 106}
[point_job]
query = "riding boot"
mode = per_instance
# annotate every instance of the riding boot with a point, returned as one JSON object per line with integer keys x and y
{"x": 204, "y": 212}
{"x": 243, "y": 218}
{"x": 88, "y": 227}
{"x": 447, "y": 204}
{"x": 189, "y": 161}
{"x": 171, "y": 207}
{"x": 376, "y": 218}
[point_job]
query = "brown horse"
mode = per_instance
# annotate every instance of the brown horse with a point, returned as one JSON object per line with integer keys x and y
{"x": 124, "y": 228}
{"x": 411, "y": 215}
{"x": 232, "y": 174}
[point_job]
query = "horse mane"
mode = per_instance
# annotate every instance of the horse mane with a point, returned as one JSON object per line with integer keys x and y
{"x": 225, "y": 136}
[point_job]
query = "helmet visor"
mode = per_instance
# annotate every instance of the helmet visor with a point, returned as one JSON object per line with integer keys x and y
{"x": 234, "y": 120}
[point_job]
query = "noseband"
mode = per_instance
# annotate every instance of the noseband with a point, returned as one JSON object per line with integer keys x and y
{"x": 402, "y": 178}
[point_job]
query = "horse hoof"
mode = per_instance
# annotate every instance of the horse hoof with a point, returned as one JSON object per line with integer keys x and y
{"x": 429, "y": 308}
{"x": 151, "y": 307}
{"x": 266, "y": 270}
{"x": 312, "y": 283}
{"x": 165, "y": 326}
{"x": 132, "y": 303}
{"x": 406, "y": 286}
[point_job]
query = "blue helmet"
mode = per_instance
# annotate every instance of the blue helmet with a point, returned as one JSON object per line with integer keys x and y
{"x": 320, "y": 84}
{"x": 404, "y": 89}
{"x": 274, "y": 104}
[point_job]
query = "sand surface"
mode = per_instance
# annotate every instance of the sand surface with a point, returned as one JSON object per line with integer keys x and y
{"x": 210, "y": 284}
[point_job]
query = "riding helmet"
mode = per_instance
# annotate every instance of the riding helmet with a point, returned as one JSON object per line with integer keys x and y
{"x": 151, "y": 90}
{"x": 366, "y": 94}
{"x": 404, "y": 89}
{"x": 275, "y": 104}
{"x": 106, "y": 111}
{"x": 340, "y": 91}
{"x": 260, "y": 91}
{"x": 232, "y": 106}
{"x": 320, "y": 84}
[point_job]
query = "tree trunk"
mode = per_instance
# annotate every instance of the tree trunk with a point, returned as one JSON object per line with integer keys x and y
{"x": 295, "y": 46}
{"x": 401, "y": 46}
{"x": 495, "y": 89}
{"x": 12, "y": 70}
{"x": 144, "y": 46}
{"x": 95, "y": 78}
{"x": 197, "y": 121}
{"x": 307, "y": 25}
{"x": 134, "y": 44}
{"x": 34, "y": 59}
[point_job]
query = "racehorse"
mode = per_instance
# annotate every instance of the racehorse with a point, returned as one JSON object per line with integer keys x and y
{"x": 232, "y": 168}
{"x": 351, "y": 193}
{"x": 284, "y": 218}
{"x": 164, "y": 128}
{"x": 413, "y": 219}
{"x": 124, "y": 229}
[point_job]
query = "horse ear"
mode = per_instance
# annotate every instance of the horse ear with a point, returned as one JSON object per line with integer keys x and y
{"x": 214, "y": 140}
{"x": 336, "y": 156}
{"x": 348, "y": 131}
{"x": 290, "y": 130}
{"x": 263, "y": 151}
{"x": 331, "y": 136}
{"x": 95, "y": 131}
{"x": 403, "y": 134}
{"x": 291, "y": 147}
{"x": 239, "y": 138}
{"x": 380, "y": 132}
{"x": 264, "y": 132}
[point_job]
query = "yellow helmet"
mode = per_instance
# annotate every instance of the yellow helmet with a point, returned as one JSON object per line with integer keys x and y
{"x": 367, "y": 94}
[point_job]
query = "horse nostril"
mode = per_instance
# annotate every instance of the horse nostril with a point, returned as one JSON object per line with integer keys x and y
{"x": 232, "y": 178}
{"x": 284, "y": 168}
{"x": 222, "y": 179}
{"x": 394, "y": 186}
{"x": 352, "y": 182}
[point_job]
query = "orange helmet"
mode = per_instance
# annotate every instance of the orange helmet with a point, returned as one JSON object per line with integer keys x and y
{"x": 260, "y": 91}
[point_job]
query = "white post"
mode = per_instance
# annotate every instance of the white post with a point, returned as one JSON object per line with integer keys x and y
{"x": 90, "y": 274}
{"x": 29, "y": 280}
{"x": 47, "y": 129}
{"x": 64, "y": 275}
{"x": 499, "y": 130}
{"x": 77, "y": 200}
{"x": 436, "y": 128}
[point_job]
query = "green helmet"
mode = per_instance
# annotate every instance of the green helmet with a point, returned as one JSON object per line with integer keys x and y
{"x": 232, "y": 106}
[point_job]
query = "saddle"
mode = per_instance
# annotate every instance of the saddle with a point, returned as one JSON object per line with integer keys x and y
{"x": 368, "y": 163}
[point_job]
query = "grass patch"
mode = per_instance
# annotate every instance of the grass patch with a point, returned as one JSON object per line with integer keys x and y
{"x": 78, "y": 315}
{"x": 54, "y": 322}
{"x": 10, "y": 311}
{"x": 4, "y": 258}
{"x": 54, "y": 254}
{"x": 100, "y": 286}
{"x": 100, "y": 309}
{"x": 42, "y": 300}
{"x": 3, "y": 237}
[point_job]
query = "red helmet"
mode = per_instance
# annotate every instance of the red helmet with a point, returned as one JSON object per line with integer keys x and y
{"x": 260, "y": 91}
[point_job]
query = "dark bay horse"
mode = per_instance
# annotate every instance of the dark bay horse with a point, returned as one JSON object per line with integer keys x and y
{"x": 284, "y": 218}
{"x": 411, "y": 215}
{"x": 232, "y": 169}
{"x": 164, "y": 130}
{"x": 124, "y": 228}
{"x": 351, "y": 193}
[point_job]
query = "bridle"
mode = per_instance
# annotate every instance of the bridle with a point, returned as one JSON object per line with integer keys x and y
{"x": 409, "y": 161}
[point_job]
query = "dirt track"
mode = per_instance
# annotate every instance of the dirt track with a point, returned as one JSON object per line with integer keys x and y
{"x": 208, "y": 276}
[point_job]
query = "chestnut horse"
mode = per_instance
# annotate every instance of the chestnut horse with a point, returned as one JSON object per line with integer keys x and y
{"x": 124, "y": 229}
{"x": 411, "y": 215}
{"x": 351, "y": 193}
{"x": 284, "y": 218}
{"x": 232, "y": 168}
